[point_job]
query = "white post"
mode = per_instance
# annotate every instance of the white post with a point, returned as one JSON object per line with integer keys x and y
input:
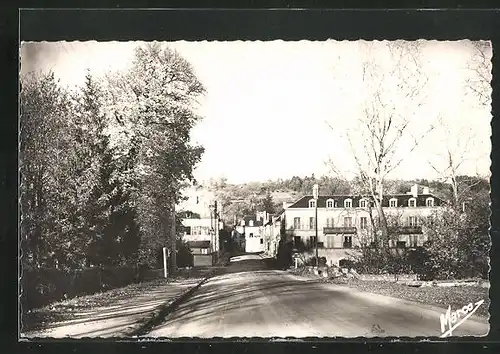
{"x": 165, "y": 262}
{"x": 296, "y": 263}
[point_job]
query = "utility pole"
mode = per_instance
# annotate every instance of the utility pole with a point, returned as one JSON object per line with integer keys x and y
{"x": 214, "y": 223}
{"x": 315, "y": 195}
{"x": 216, "y": 231}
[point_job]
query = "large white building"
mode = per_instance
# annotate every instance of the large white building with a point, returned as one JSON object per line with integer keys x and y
{"x": 345, "y": 225}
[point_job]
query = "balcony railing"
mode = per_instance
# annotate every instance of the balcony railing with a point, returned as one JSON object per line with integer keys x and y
{"x": 339, "y": 230}
{"x": 407, "y": 230}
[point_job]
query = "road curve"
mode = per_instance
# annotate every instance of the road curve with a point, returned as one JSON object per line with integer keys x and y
{"x": 271, "y": 303}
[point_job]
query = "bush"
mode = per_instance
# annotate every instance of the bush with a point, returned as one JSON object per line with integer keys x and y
{"x": 376, "y": 261}
{"x": 184, "y": 256}
{"x": 420, "y": 263}
{"x": 312, "y": 261}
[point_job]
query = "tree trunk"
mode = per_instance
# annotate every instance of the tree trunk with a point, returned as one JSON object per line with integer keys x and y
{"x": 372, "y": 221}
{"x": 382, "y": 225}
{"x": 454, "y": 186}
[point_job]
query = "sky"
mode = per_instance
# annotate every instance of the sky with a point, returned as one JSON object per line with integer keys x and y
{"x": 268, "y": 103}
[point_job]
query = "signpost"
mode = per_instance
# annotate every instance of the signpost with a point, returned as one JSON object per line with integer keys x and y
{"x": 165, "y": 256}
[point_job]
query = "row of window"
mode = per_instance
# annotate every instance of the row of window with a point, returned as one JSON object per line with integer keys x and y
{"x": 393, "y": 203}
{"x": 197, "y": 230}
{"x": 347, "y": 242}
{"x": 347, "y": 222}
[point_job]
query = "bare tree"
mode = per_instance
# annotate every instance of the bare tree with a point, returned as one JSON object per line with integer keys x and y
{"x": 479, "y": 67}
{"x": 449, "y": 161}
{"x": 386, "y": 132}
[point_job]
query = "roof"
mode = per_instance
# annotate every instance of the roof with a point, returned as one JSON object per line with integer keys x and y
{"x": 401, "y": 198}
{"x": 254, "y": 219}
{"x": 199, "y": 244}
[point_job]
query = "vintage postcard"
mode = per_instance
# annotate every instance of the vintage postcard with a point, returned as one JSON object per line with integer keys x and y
{"x": 273, "y": 189}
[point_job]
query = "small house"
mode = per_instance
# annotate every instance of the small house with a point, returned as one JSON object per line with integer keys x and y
{"x": 202, "y": 253}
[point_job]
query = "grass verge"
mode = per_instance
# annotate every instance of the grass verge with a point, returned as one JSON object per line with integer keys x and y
{"x": 456, "y": 296}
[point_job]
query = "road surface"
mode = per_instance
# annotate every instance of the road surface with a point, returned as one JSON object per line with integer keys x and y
{"x": 252, "y": 301}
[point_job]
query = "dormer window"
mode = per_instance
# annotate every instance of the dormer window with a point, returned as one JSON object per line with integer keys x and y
{"x": 393, "y": 203}
{"x": 429, "y": 202}
{"x": 312, "y": 203}
{"x": 348, "y": 203}
{"x": 412, "y": 202}
{"x": 329, "y": 203}
{"x": 362, "y": 203}
{"x": 250, "y": 223}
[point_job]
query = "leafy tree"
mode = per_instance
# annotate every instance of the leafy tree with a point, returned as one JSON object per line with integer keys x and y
{"x": 267, "y": 204}
{"x": 157, "y": 97}
{"x": 459, "y": 241}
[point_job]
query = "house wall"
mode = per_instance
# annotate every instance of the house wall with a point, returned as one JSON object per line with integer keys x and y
{"x": 272, "y": 236}
{"x": 198, "y": 201}
{"x": 200, "y": 231}
{"x": 254, "y": 239}
{"x": 196, "y": 250}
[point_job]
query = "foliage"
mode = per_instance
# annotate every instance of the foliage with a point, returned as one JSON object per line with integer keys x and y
{"x": 156, "y": 98}
{"x": 457, "y": 247}
{"x": 43, "y": 109}
{"x": 459, "y": 241}
{"x": 102, "y": 166}
{"x": 184, "y": 255}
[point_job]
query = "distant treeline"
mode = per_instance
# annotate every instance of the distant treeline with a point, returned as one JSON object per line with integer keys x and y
{"x": 245, "y": 199}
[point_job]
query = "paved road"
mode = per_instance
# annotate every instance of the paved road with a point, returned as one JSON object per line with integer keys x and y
{"x": 251, "y": 301}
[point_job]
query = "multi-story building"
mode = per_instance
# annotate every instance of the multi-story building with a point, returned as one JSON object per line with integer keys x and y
{"x": 345, "y": 222}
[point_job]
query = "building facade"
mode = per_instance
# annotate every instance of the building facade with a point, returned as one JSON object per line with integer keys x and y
{"x": 272, "y": 234}
{"x": 345, "y": 223}
{"x": 202, "y": 254}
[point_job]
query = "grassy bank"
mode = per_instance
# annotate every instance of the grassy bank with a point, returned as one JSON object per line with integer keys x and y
{"x": 66, "y": 310}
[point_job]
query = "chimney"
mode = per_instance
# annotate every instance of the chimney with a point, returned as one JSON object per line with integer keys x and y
{"x": 426, "y": 190}
{"x": 414, "y": 190}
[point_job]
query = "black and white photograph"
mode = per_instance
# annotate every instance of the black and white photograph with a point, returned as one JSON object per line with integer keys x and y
{"x": 242, "y": 189}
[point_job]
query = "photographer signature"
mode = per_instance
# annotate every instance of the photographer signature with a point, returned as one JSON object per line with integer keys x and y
{"x": 452, "y": 319}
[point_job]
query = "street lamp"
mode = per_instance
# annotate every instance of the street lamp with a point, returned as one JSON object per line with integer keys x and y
{"x": 315, "y": 196}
